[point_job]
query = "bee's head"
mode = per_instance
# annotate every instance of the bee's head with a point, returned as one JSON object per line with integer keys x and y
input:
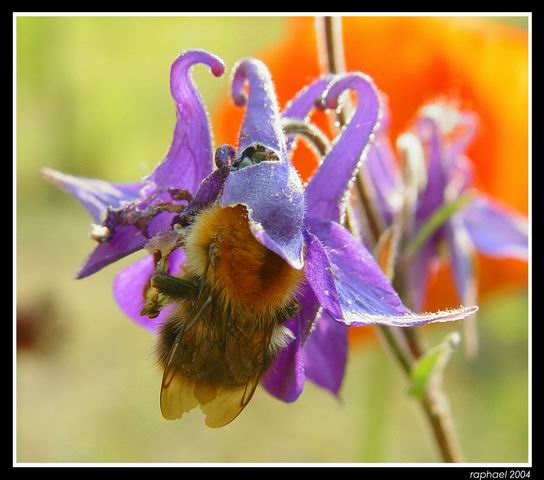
{"x": 253, "y": 155}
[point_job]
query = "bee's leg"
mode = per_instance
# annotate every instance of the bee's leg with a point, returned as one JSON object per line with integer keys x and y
{"x": 173, "y": 287}
{"x": 163, "y": 287}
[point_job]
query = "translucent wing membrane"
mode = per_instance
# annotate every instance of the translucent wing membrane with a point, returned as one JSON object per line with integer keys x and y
{"x": 212, "y": 358}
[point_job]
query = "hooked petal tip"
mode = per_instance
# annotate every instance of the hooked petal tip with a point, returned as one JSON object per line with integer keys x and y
{"x": 261, "y": 125}
{"x": 181, "y": 66}
{"x": 248, "y": 69}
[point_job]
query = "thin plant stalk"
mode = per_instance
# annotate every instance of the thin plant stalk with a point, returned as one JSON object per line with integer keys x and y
{"x": 405, "y": 347}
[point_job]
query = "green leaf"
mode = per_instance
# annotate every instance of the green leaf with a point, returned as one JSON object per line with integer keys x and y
{"x": 431, "y": 365}
{"x": 436, "y": 221}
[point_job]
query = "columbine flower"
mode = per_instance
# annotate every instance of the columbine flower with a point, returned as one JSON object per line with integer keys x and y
{"x": 438, "y": 175}
{"x": 342, "y": 285}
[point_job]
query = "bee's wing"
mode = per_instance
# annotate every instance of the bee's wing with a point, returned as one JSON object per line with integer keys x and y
{"x": 213, "y": 365}
{"x": 222, "y": 404}
{"x": 178, "y": 386}
{"x": 177, "y": 396}
{"x": 228, "y": 402}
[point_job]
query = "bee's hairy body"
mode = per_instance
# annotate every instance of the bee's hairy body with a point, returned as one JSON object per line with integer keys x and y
{"x": 222, "y": 335}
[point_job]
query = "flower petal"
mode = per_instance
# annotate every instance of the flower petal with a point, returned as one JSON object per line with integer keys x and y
{"x": 462, "y": 256}
{"x": 383, "y": 172}
{"x": 432, "y": 196}
{"x": 326, "y": 189}
{"x": 129, "y": 288}
{"x": 305, "y": 100}
{"x": 462, "y": 259}
{"x": 366, "y": 296}
{"x": 325, "y": 353}
{"x": 262, "y": 119}
{"x": 318, "y": 274}
{"x": 208, "y": 192}
{"x": 95, "y": 195}
{"x": 274, "y": 197}
{"x": 496, "y": 230}
{"x": 285, "y": 377}
{"x": 125, "y": 241}
{"x": 189, "y": 159}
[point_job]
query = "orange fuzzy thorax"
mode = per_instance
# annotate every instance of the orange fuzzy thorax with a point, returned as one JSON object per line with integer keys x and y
{"x": 241, "y": 270}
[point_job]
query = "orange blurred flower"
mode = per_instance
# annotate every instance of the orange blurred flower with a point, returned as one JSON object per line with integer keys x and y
{"x": 481, "y": 63}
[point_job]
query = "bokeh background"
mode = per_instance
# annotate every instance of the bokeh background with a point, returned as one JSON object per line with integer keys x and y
{"x": 92, "y": 99}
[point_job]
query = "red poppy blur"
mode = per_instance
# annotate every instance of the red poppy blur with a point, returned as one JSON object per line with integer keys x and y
{"x": 481, "y": 63}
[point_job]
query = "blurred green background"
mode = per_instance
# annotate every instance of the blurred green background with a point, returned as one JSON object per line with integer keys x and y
{"x": 93, "y": 100}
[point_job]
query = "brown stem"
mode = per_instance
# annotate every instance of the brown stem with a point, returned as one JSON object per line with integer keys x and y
{"x": 434, "y": 402}
{"x": 311, "y": 133}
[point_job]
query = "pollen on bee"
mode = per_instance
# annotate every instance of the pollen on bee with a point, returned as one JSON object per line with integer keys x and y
{"x": 240, "y": 269}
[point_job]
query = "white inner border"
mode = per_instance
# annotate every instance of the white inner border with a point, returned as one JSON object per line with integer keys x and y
{"x": 528, "y": 15}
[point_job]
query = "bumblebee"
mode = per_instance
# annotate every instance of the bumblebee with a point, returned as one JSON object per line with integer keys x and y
{"x": 229, "y": 303}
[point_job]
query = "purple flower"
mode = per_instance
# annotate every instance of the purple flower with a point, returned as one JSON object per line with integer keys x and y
{"x": 437, "y": 173}
{"x": 342, "y": 286}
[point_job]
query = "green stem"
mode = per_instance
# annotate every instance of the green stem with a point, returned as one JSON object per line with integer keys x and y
{"x": 437, "y": 219}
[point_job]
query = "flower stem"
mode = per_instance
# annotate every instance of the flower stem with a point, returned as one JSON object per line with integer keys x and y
{"x": 315, "y": 137}
{"x": 405, "y": 347}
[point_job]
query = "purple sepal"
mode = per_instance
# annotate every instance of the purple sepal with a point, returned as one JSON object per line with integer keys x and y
{"x": 189, "y": 159}
{"x": 461, "y": 259}
{"x": 159, "y": 223}
{"x": 261, "y": 124}
{"x": 384, "y": 174}
{"x": 208, "y": 193}
{"x": 495, "y": 229}
{"x": 325, "y": 353}
{"x": 129, "y": 289}
{"x": 274, "y": 196}
{"x": 285, "y": 377}
{"x": 95, "y": 195}
{"x": 326, "y": 189}
{"x": 318, "y": 274}
{"x": 126, "y": 240}
{"x": 366, "y": 296}
{"x": 432, "y": 196}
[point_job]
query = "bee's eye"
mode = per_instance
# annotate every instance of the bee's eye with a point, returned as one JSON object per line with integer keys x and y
{"x": 253, "y": 155}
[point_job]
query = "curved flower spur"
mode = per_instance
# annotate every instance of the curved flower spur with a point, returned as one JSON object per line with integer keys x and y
{"x": 250, "y": 277}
